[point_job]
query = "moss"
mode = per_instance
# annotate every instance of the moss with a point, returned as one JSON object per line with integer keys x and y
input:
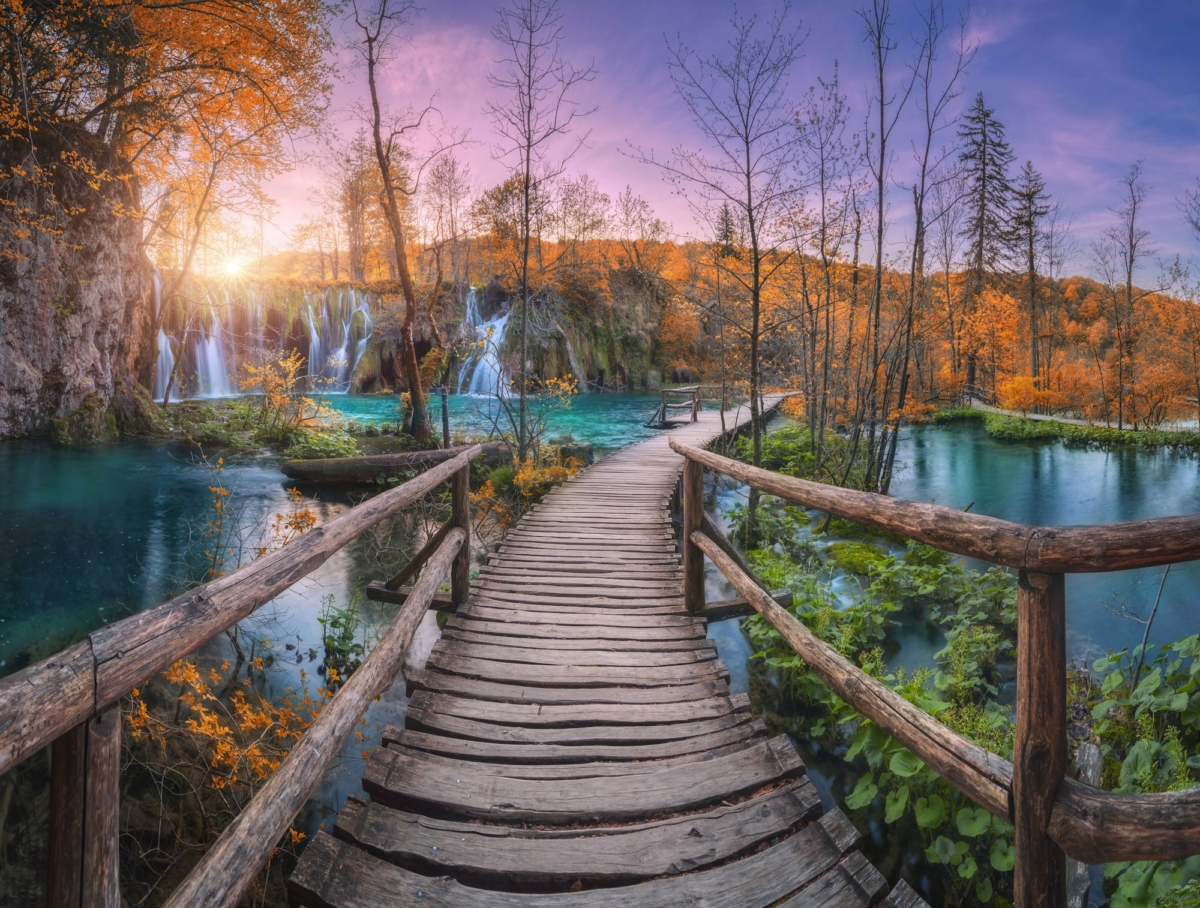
{"x": 855, "y": 557}
{"x": 848, "y": 529}
{"x": 89, "y": 424}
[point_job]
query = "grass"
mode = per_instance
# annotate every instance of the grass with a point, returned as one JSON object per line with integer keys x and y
{"x": 1016, "y": 428}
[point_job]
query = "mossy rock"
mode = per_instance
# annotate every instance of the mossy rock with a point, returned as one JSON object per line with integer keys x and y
{"x": 855, "y": 557}
{"x": 89, "y": 424}
{"x": 135, "y": 410}
{"x": 848, "y": 529}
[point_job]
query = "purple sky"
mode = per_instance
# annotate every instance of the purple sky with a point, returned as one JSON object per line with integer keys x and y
{"x": 1085, "y": 88}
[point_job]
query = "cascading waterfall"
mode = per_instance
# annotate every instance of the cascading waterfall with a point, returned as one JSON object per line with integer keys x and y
{"x": 338, "y": 322}
{"x": 483, "y": 374}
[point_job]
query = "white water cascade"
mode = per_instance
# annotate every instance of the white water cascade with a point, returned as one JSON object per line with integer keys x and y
{"x": 235, "y": 329}
{"x": 483, "y": 374}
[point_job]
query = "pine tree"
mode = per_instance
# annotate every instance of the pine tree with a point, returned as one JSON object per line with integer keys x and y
{"x": 985, "y": 157}
{"x": 1029, "y": 208}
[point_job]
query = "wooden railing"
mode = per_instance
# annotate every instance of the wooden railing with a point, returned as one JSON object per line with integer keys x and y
{"x": 1053, "y": 815}
{"x": 71, "y": 702}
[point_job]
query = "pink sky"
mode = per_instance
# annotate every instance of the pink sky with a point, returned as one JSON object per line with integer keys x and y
{"x": 1085, "y": 89}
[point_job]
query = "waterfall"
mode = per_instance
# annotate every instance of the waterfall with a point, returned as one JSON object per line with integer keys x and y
{"x": 234, "y": 331}
{"x": 483, "y": 374}
{"x": 212, "y": 372}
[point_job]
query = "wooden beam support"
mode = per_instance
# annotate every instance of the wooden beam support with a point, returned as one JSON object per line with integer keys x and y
{"x": 409, "y": 570}
{"x": 693, "y": 520}
{"x": 738, "y": 607}
{"x": 68, "y": 784}
{"x": 101, "y": 817}
{"x": 460, "y": 573}
{"x": 1040, "y": 748}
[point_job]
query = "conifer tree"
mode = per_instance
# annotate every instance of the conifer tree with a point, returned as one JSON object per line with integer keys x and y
{"x": 1030, "y": 207}
{"x": 985, "y": 157}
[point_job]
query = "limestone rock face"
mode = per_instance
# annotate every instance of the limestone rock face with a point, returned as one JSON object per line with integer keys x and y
{"x": 76, "y": 310}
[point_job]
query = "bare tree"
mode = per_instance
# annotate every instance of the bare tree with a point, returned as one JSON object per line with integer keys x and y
{"x": 380, "y": 29}
{"x": 539, "y": 110}
{"x": 1190, "y": 203}
{"x": 885, "y": 107}
{"x": 933, "y": 98}
{"x": 1117, "y": 254}
{"x": 740, "y": 105}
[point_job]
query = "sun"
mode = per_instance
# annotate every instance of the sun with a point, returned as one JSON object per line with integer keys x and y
{"x": 232, "y": 267}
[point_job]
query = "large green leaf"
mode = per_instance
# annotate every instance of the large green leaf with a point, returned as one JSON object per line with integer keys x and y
{"x": 931, "y": 812}
{"x": 897, "y": 800}
{"x": 863, "y": 794}
{"x": 1002, "y": 856}
{"x": 904, "y": 764}
{"x": 972, "y": 822}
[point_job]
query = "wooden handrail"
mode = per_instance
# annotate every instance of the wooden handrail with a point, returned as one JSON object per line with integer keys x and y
{"x": 231, "y": 864}
{"x": 981, "y": 775}
{"x": 1051, "y": 818}
{"x": 44, "y": 700}
{"x": 1047, "y": 550}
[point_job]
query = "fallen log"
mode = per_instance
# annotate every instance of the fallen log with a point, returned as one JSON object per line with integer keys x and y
{"x": 374, "y": 466}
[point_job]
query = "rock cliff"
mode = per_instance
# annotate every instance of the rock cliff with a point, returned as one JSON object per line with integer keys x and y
{"x": 76, "y": 309}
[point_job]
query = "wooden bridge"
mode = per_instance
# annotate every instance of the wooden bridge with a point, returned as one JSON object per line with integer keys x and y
{"x": 571, "y": 742}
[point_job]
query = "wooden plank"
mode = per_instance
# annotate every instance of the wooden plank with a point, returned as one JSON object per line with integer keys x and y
{"x": 396, "y": 780}
{"x": 583, "y": 642}
{"x": 903, "y": 896}
{"x": 578, "y": 676}
{"x": 535, "y": 714}
{"x": 426, "y": 679}
{"x": 619, "y": 855}
{"x": 626, "y": 769}
{"x": 491, "y": 751}
{"x": 335, "y": 874}
{"x": 600, "y": 632}
{"x": 565, "y": 617}
{"x": 853, "y": 883}
{"x": 481, "y": 728}
{"x": 571, "y": 657}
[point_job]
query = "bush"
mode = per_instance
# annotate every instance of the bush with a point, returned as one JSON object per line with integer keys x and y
{"x": 312, "y": 444}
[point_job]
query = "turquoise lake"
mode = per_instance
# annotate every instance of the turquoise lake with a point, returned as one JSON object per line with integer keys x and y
{"x": 87, "y": 537}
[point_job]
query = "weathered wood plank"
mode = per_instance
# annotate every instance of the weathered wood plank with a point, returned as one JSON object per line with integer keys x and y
{"x": 491, "y": 751}
{"x": 580, "y": 642}
{"x": 480, "y": 728}
{"x": 334, "y": 874}
{"x": 579, "y": 676}
{"x": 483, "y": 689}
{"x": 612, "y": 855}
{"x": 571, "y": 658}
{"x": 853, "y": 883}
{"x": 396, "y": 780}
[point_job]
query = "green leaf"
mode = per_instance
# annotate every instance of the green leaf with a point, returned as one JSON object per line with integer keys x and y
{"x": 1178, "y": 703}
{"x": 1002, "y": 856}
{"x": 897, "y": 800}
{"x": 1137, "y": 763}
{"x": 973, "y": 822}
{"x": 905, "y": 764}
{"x": 863, "y": 794}
{"x": 1100, "y": 710}
{"x": 983, "y": 890}
{"x": 931, "y": 811}
{"x": 941, "y": 851}
{"x": 967, "y": 868}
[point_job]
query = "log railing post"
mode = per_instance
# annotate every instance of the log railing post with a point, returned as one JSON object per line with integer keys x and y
{"x": 693, "y": 519}
{"x": 460, "y": 573}
{"x": 1040, "y": 747}
{"x": 85, "y": 800}
{"x": 68, "y": 774}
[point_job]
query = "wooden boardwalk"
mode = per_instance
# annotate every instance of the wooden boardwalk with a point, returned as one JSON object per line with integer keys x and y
{"x": 572, "y": 740}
